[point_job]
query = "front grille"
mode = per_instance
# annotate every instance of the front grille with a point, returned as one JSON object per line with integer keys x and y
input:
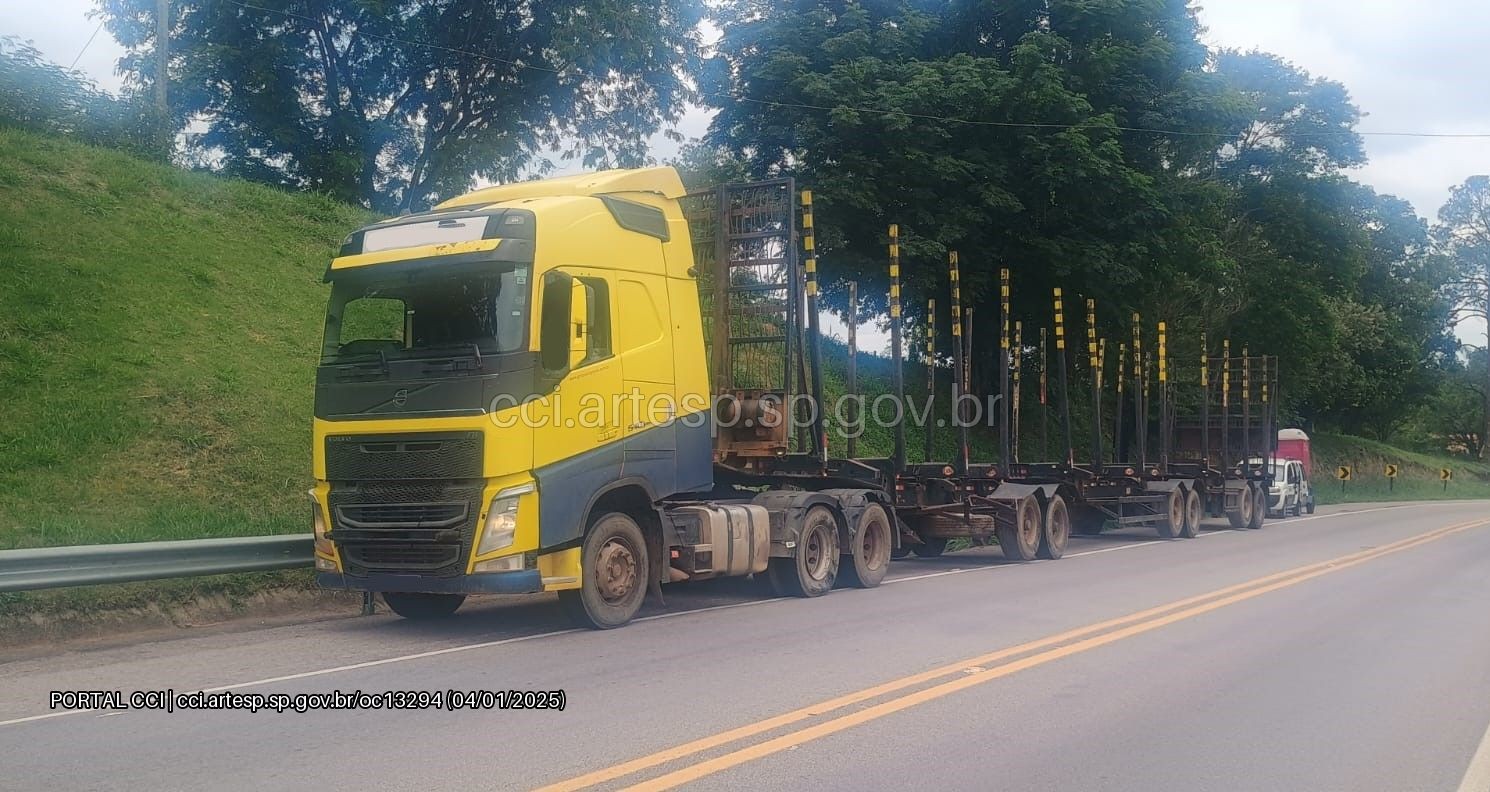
{"x": 425, "y": 455}
{"x": 424, "y": 527}
{"x": 401, "y": 515}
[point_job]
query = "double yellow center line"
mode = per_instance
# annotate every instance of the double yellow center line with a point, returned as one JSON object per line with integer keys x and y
{"x": 966, "y": 673}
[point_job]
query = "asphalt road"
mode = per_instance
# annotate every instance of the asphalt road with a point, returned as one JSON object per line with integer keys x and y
{"x": 1347, "y": 651}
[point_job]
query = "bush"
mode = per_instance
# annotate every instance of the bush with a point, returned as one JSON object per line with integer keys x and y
{"x": 40, "y": 96}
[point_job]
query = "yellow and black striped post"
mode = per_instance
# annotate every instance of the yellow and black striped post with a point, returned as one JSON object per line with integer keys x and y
{"x": 1246, "y": 411}
{"x": 958, "y": 374}
{"x": 1140, "y": 390}
{"x": 1226, "y": 403}
{"x": 1164, "y": 406}
{"x": 1205, "y": 401}
{"x": 1069, "y": 454}
{"x": 814, "y": 332}
{"x": 1006, "y": 404}
{"x": 930, "y": 428}
{"x": 1018, "y": 366}
{"x": 896, "y": 353}
{"x": 1095, "y": 365}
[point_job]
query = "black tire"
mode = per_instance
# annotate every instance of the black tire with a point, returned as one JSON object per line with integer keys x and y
{"x": 614, "y": 574}
{"x": 1259, "y": 508}
{"x": 1021, "y": 541}
{"x": 1242, "y": 517}
{"x": 423, "y": 607}
{"x": 811, "y": 570}
{"x": 1057, "y": 533}
{"x": 900, "y": 552}
{"x": 930, "y": 548}
{"x": 1192, "y": 514}
{"x": 868, "y": 559}
{"x": 1310, "y": 508}
{"x": 1172, "y": 523}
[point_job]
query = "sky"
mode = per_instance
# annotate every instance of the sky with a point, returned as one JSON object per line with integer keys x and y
{"x": 1410, "y": 65}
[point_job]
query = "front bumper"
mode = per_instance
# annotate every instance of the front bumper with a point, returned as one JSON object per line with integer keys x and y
{"x": 526, "y": 581}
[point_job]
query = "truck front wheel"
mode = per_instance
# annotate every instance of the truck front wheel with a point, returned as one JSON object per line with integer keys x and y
{"x": 412, "y": 605}
{"x": 613, "y": 579}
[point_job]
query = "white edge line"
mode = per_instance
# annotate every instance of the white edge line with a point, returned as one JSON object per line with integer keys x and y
{"x": 1482, "y": 757}
{"x": 1477, "y": 777}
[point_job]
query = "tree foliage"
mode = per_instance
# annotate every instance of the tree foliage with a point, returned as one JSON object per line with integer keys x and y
{"x": 1100, "y": 147}
{"x": 41, "y": 96}
{"x": 393, "y": 102}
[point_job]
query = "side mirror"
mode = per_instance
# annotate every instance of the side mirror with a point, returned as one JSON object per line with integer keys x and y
{"x": 555, "y": 325}
{"x": 580, "y": 317}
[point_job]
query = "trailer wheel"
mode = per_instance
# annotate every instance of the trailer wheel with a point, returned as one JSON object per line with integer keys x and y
{"x": 1021, "y": 541}
{"x": 1173, "y": 522}
{"x": 614, "y": 574}
{"x": 416, "y": 606}
{"x": 1192, "y": 515}
{"x": 867, "y": 561}
{"x": 1259, "y": 508}
{"x": 1057, "y": 531}
{"x": 930, "y": 548}
{"x": 811, "y": 570}
{"x": 900, "y": 552}
{"x": 1242, "y": 516}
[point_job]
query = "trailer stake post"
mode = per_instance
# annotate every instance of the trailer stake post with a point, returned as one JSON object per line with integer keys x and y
{"x": 896, "y": 353}
{"x": 1069, "y": 454}
{"x": 1096, "y": 373}
{"x": 1005, "y": 400}
{"x": 958, "y": 372}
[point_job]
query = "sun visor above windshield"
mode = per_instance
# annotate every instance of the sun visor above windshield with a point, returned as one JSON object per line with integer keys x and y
{"x": 439, "y": 239}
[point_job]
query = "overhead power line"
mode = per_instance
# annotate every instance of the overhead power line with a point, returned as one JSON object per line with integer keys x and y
{"x": 895, "y": 113}
{"x": 86, "y": 45}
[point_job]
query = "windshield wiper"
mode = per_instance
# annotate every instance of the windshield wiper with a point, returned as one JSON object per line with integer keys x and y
{"x": 383, "y": 359}
{"x": 476, "y": 353}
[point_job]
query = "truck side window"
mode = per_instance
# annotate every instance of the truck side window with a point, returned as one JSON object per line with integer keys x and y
{"x": 553, "y": 341}
{"x": 598, "y": 322}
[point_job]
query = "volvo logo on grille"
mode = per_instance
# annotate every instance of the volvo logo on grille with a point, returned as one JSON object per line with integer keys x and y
{"x": 400, "y": 397}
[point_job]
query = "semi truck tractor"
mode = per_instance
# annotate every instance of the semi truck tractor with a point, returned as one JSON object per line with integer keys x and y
{"x": 519, "y": 392}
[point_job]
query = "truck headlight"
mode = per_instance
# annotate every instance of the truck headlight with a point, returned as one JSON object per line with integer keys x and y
{"x": 318, "y": 528}
{"x": 500, "y": 528}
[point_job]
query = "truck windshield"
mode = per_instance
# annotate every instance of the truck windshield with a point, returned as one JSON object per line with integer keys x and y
{"x": 473, "y": 313}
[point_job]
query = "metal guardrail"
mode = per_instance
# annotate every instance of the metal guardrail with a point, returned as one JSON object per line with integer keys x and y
{"x": 89, "y": 565}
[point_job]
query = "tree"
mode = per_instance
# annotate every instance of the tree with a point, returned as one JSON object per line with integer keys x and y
{"x": 393, "y": 102}
{"x": 1463, "y": 235}
{"x": 41, "y": 96}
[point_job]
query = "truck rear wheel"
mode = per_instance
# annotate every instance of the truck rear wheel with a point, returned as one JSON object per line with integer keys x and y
{"x": 868, "y": 559}
{"x": 1172, "y": 523}
{"x": 614, "y": 574}
{"x": 1021, "y": 541}
{"x": 1259, "y": 508}
{"x": 1241, "y": 517}
{"x": 417, "y": 606}
{"x": 1057, "y": 531}
{"x": 1192, "y": 514}
{"x": 811, "y": 570}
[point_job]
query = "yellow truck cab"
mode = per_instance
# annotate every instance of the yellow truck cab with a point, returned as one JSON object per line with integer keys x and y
{"x": 500, "y": 374}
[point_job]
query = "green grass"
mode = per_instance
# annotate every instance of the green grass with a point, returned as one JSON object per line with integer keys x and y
{"x": 1417, "y": 474}
{"x": 158, "y": 333}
